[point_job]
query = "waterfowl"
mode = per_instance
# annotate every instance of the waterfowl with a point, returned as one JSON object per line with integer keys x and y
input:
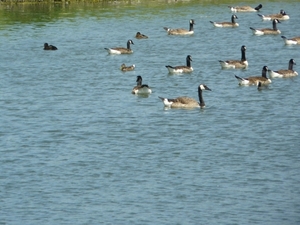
{"x": 285, "y": 73}
{"x": 291, "y": 41}
{"x": 233, "y": 23}
{"x": 140, "y": 36}
{"x": 181, "y": 31}
{"x": 141, "y": 88}
{"x": 49, "y": 47}
{"x": 235, "y": 9}
{"x": 253, "y": 80}
{"x": 280, "y": 16}
{"x": 186, "y": 102}
{"x": 127, "y": 68}
{"x": 121, "y": 50}
{"x": 182, "y": 69}
{"x": 265, "y": 31}
{"x": 236, "y": 64}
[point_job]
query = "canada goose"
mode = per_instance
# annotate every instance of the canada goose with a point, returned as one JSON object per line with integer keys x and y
{"x": 233, "y": 23}
{"x": 182, "y": 69}
{"x": 280, "y": 16}
{"x": 291, "y": 41}
{"x": 236, "y": 64}
{"x": 235, "y": 9}
{"x": 253, "y": 80}
{"x": 140, "y": 36}
{"x": 186, "y": 102}
{"x": 120, "y": 50}
{"x": 141, "y": 88}
{"x": 267, "y": 30}
{"x": 181, "y": 31}
{"x": 127, "y": 68}
{"x": 49, "y": 47}
{"x": 285, "y": 73}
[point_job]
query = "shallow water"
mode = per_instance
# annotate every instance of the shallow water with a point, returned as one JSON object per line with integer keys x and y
{"x": 78, "y": 148}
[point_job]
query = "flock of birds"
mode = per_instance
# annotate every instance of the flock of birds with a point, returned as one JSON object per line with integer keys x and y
{"x": 187, "y": 102}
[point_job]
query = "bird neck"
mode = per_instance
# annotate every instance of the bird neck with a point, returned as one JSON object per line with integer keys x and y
{"x": 201, "y": 100}
{"x": 139, "y": 82}
{"x": 128, "y": 45}
{"x": 191, "y": 26}
{"x": 290, "y": 65}
{"x": 243, "y": 55}
{"x": 232, "y": 19}
{"x": 188, "y": 62}
{"x": 274, "y": 25}
{"x": 264, "y": 73}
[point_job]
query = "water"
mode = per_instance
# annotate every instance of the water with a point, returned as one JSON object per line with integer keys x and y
{"x": 78, "y": 148}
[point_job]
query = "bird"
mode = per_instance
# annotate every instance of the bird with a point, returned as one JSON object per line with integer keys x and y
{"x": 253, "y": 80}
{"x": 49, "y": 47}
{"x": 140, "y": 36}
{"x": 236, "y": 64}
{"x": 186, "y": 102}
{"x": 181, "y": 31}
{"x": 182, "y": 69}
{"x": 121, "y": 50}
{"x": 127, "y": 68}
{"x": 291, "y": 41}
{"x": 141, "y": 88}
{"x": 265, "y": 31}
{"x": 280, "y": 16}
{"x": 284, "y": 73}
{"x": 235, "y": 9}
{"x": 233, "y": 23}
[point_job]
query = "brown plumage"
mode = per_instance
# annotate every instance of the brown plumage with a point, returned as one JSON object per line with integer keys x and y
{"x": 181, "y": 31}
{"x": 127, "y": 68}
{"x": 253, "y": 80}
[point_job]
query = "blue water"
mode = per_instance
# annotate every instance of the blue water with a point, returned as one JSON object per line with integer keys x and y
{"x": 78, "y": 148}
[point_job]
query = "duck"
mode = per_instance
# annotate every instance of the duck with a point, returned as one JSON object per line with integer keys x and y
{"x": 127, "y": 68}
{"x": 284, "y": 73}
{"x": 186, "y": 102}
{"x": 121, "y": 50}
{"x": 280, "y": 16}
{"x": 291, "y": 41}
{"x": 141, "y": 88}
{"x": 253, "y": 80}
{"x": 140, "y": 36}
{"x": 182, "y": 69}
{"x": 181, "y": 31}
{"x": 265, "y": 31}
{"x": 236, "y": 64}
{"x": 233, "y": 23}
{"x": 235, "y": 9}
{"x": 49, "y": 47}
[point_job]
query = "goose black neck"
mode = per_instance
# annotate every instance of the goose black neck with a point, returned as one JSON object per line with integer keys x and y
{"x": 128, "y": 45}
{"x": 188, "y": 62}
{"x": 233, "y": 19}
{"x": 264, "y": 73}
{"x": 191, "y": 26}
{"x": 243, "y": 55}
{"x": 274, "y": 25}
{"x": 139, "y": 82}
{"x": 201, "y": 100}
{"x": 291, "y": 65}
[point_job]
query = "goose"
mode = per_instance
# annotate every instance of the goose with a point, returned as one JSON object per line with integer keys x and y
{"x": 280, "y": 16}
{"x": 140, "y": 36}
{"x": 186, "y": 102}
{"x": 236, "y": 64}
{"x": 253, "y": 80}
{"x": 235, "y": 9}
{"x": 121, "y": 50}
{"x": 181, "y": 31}
{"x": 267, "y": 30}
{"x": 291, "y": 41}
{"x": 284, "y": 73}
{"x": 141, "y": 88}
{"x": 233, "y": 23}
{"x": 127, "y": 68}
{"x": 49, "y": 47}
{"x": 182, "y": 69}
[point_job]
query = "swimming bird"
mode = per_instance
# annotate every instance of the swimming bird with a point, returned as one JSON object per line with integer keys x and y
{"x": 233, "y": 23}
{"x": 127, "y": 68}
{"x": 253, "y": 80}
{"x": 265, "y": 31}
{"x": 141, "y": 88}
{"x": 140, "y": 36}
{"x": 121, "y": 50}
{"x": 49, "y": 47}
{"x": 236, "y": 64}
{"x": 280, "y": 16}
{"x": 182, "y": 69}
{"x": 284, "y": 73}
{"x": 291, "y": 41}
{"x": 181, "y": 31}
{"x": 186, "y": 102}
{"x": 235, "y": 9}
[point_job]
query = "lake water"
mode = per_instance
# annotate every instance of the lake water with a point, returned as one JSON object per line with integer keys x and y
{"x": 78, "y": 148}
